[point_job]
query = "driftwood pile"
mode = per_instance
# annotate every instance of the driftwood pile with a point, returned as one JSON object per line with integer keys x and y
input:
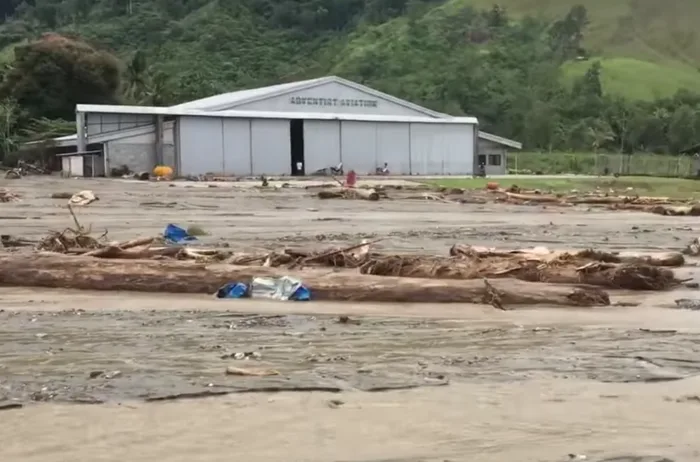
{"x": 468, "y": 274}
{"x": 610, "y": 200}
{"x": 75, "y": 259}
{"x": 8, "y": 196}
{"x": 517, "y": 196}
{"x": 594, "y": 268}
{"x": 349, "y": 193}
{"x": 80, "y": 272}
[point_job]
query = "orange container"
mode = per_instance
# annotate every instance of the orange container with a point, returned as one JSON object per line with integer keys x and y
{"x": 492, "y": 185}
{"x": 163, "y": 171}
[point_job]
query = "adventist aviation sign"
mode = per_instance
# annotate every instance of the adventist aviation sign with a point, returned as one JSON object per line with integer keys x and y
{"x": 331, "y": 102}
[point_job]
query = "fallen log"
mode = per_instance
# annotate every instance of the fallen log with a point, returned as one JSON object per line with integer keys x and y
{"x": 144, "y": 253}
{"x": 563, "y": 271}
{"x": 349, "y": 193}
{"x": 539, "y": 198}
{"x": 609, "y": 200}
{"x": 133, "y": 254}
{"x": 676, "y": 211}
{"x": 9, "y": 241}
{"x": 610, "y": 270}
{"x": 79, "y": 272}
{"x": 670, "y": 259}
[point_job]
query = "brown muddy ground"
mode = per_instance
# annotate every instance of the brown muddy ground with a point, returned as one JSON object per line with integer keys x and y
{"x": 404, "y": 383}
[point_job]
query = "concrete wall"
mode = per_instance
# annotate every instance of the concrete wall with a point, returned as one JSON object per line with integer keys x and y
{"x": 493, "y": 154}
{"x": 138, "y": 152}
{"x": 332, "y": 97}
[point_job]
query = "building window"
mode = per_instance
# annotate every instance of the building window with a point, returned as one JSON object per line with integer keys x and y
{"x": 495, "y": 159}
{"x": 482, "y": 159}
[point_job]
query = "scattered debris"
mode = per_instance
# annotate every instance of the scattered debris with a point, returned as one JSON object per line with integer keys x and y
{"x": 69, "y": 241}
{"x": 335, "y": 403}
{"x": 492, "y": 297}
{"x": 347, "y": 320}
{"x": 692, "y": 210}
{"x": 195, "y": 231}
{"x": 13, "y": 174}
{"x": 282, "y": 288}
{"x": 82, "y": 198}
{"x": 349, "y": 193}
{"x": 689, "y": 399}
{"x": 9, "y": 241}
{"x": 250, "y": 373}
{"x": 659, "y": 331}
{"x": 688, "y": 304}
{"x": 693, "y": 248}
{"x": 8, "y": 196}
{"x": 61, "y": 195}
{"x": 9, "y": 406}
{"x": 243, "y": 355}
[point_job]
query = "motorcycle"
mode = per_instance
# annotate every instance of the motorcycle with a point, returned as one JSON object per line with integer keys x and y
{"x": 330, "y": 171}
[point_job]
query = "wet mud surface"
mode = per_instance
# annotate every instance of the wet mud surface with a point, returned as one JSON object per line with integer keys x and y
{"x": 93, "y": 357}
{"x": 248, "y": 218}
{"x": 435, "y": 382}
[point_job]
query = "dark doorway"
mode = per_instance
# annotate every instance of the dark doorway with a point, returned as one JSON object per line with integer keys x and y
{"x": 296, "y": 136}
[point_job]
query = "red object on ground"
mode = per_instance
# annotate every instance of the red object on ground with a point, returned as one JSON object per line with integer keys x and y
{"x": 492, "y": 185}
{"x": 351, "y": 179}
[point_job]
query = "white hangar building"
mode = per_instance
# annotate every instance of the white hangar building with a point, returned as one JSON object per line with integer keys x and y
{"x": 288, "y": 129}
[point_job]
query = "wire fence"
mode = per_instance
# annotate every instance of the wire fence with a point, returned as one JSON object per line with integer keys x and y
{"x": 604, "y": 164}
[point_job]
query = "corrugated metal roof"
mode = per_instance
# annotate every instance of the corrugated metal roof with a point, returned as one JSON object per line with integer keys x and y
{"x": 149, "y": 110}
{"x": 213, "y": 107}
{"x": 231, "y": 100}
{"x": 61, "y": 141}
{"x": 225, "y": 100}
{"x": 119, "y": 109}
{"x": 500, "y": 140}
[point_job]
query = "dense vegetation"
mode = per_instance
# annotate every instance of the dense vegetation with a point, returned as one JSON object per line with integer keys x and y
{"x": 538, "y": 81}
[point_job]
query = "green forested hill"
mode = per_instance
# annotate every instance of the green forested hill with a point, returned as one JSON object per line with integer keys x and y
{"x": 555, "y": 74}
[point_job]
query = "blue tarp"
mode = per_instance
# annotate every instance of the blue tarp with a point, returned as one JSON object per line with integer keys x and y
{"x": 233, "y": 290}
{"x": 173, "y": 234}
{"x": 284, "y": 288}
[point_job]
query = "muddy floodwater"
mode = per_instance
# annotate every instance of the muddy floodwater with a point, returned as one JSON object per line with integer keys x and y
{"x": 122, "y": 376}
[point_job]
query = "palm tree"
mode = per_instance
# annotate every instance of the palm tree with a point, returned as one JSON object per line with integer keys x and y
{"x": 143, "y": 84}
{"x": 9, "y": 112}
{"x": 136, "y": 77}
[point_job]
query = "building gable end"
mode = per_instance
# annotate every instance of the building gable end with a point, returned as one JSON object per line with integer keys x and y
{"x": 331, "y": 94}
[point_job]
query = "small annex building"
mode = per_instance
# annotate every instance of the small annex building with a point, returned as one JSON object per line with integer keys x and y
{"x": 289, "y": 129}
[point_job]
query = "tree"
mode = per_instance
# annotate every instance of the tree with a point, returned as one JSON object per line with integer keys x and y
{"x": 497, "y": 17}
{"x": 681, "y": 128}
{"x": 566, "y": 35}
{"x": 51, "y": 75}
{"x": 620, "y": 117}
{"x": 599, "y": 133}
{"x": 9, "y": 115}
